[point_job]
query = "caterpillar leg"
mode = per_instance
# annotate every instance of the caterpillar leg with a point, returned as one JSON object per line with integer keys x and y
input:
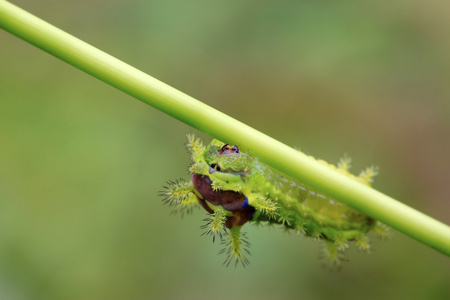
{"x": 179, "y": 194}
{"x": 236, "y": 247}
{"x": 381, "y": 230}
{"x": 368, "y": 174}
{"x": 362, "y": 241}
{"x": 332, "y": 255}
{"x": 215, "y": 225}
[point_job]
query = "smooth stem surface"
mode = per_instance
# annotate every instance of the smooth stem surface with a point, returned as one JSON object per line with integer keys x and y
{"x": 204, "y": 118}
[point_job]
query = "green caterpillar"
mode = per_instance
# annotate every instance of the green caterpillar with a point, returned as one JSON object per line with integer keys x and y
{"x": 236, "y": 188}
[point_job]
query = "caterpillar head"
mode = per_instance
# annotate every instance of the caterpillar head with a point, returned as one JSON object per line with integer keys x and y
{"x": 226, "y": 159}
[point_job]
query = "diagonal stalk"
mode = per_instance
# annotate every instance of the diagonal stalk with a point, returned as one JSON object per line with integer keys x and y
{"x": 204, "y": 118}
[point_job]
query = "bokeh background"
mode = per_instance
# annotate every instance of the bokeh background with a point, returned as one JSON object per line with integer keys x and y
{"x": 81, "y": 163}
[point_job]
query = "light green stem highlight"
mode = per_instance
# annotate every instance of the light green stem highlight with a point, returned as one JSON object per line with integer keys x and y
{"x": 204, "y": 118}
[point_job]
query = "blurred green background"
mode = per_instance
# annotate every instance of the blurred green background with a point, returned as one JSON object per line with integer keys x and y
{"x": 81, "y": 163}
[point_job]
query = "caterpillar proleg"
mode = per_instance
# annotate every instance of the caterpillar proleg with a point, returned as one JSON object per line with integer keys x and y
{"x": 236, "y": 188}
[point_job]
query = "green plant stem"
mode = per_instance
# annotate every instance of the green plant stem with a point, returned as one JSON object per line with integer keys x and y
{"x": 204, "y": 118}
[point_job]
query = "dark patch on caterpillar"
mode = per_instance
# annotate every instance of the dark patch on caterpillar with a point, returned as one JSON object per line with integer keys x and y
{"x": 233, "y": 202}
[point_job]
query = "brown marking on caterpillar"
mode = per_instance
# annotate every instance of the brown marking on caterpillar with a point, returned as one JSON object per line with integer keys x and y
{"x": 227, "y": 149}
{"x": 234, "y": 202}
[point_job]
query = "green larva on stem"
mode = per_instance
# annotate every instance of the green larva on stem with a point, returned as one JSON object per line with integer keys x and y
{"x": 236, "y": 188}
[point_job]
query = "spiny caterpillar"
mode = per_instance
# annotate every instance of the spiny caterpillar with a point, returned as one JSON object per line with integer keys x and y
{"x": 236, "y": 188}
